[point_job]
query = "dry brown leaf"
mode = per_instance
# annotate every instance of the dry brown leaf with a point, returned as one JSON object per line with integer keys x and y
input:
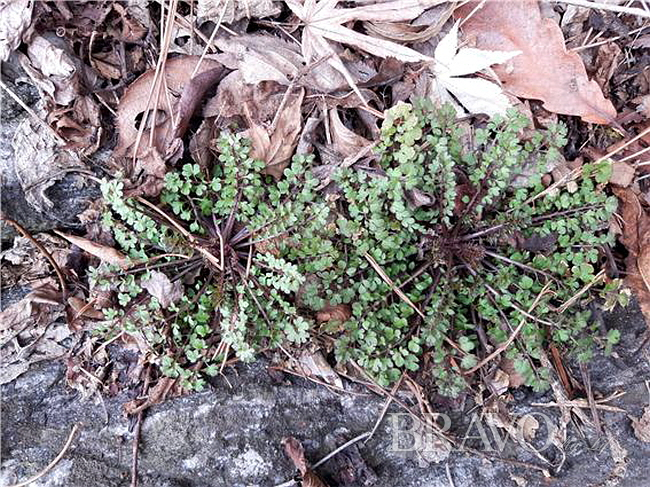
{"x": 178, "y": 80}
{"x": 82, "y": 308}
{"x": 636, "y": 238}
{"x": 15, "y": 17}
{"x": 545, "y": 70}
{"x": 166, "y": 386}
{"x": 24, "y": 265}
{"x": 295, "y": 451}
{"x": 275, "y": 146}
{"x": 102, "y": 252}
{"x": 528, "y": 426}
{"x": 641, "y": 426}
{"x": 340, "y": 313}
{"x": 344, "y": 140}
{"x": 234, "y": 97}
{"x": 79, "y": 125}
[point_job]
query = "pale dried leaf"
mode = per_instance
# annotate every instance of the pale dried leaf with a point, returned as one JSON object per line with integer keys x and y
{"x": 262, "y": 57}
{"x": 528, "y": 426}
{"x": 324, "y": 22}
{"x": 102, "y": 252}
{"x": 313, "y": 364}
{"x": 475, "y": 94}
{"x": 478, "y": 95}
{"x": 23, "y": 264}
{"x": 15, "y": 17}
{"x": 52, "y": 69}
{"x": 162, "y": 288}
{"x": 545, "y": 70}
{"x": 276, "y": 149}
{"x": 345, "y": 141}
{"x": 29, "y": 332}
{"x": 235, "y": 98}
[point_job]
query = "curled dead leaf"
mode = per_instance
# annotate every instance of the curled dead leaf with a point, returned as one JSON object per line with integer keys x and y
{"x": 636, "y": 238}
{"x": 82, "y": 308}
{"x": 102, "y": 252}
{"x": 340, "y": 313}
{"x": 162, "y": 288}
{"x": 173, "y": 112}
{"x": 313, "y": 364}
{"x": 296, "y": 453}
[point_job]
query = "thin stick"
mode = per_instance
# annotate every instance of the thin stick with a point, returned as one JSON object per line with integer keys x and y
{"x": 606, "y": 6}
{"x": 575, "y": 297}
{"x": 341, "y": 448}
{"x": 385, "y": 408}
{"x": 33, "y": 114}
{"x": 501, "y": 348}
{"x": 40, "y": 247}
{"x": 449, "y": 477}
{"x": 53, "y": 462}
{"x": 208, "y": 44}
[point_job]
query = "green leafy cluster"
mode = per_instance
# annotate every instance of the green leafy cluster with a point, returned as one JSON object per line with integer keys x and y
{"x": 450, "y": 236}
{"x": 242, "y": 303}
{"x": 438, "y": 218}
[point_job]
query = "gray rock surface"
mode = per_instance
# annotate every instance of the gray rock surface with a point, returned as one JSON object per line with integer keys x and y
{"x": 69, "y": 198}
{"x": 230, "y": 436}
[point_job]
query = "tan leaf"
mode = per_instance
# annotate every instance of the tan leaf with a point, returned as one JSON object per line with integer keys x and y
{"x": 82, "y": 308}
{"x": 277, "y": 147}
{"x": 52, "y": 69}
{"x": 229, "y": 11}
{"x": 345, "y": 141}
{"x": 296, "y": 453}
{"x": 622, "y": 174}
{"x": 528, "y": 426}
{"x": 545, "y": 70}
{"x": 30, "y": 331}
{"x": 261, "y": 57}
{"x": 41, "y": 163}
{"x": 102, "y": 252}
{"x": 636, "y": 238}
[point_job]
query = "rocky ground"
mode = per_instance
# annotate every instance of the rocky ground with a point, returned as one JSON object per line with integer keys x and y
{"x": 230, "y": 436}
